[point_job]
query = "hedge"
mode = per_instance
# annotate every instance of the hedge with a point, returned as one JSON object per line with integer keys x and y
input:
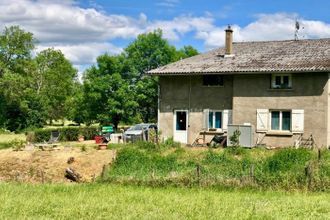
{"x": 66, "y": 134}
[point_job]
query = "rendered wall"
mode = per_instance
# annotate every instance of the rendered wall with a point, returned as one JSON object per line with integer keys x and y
{"x": 244, "y": 94}
{"x": 309, "y": 92}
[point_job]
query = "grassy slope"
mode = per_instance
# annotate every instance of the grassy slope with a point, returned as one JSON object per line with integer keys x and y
{"x": 281, "y": 169}
{"x": 118, "y": 202}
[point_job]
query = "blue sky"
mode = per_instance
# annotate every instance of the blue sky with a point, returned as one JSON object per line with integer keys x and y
{"x": 83, "y": 30}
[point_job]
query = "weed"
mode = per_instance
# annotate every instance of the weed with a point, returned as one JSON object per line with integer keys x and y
{"x": 17, "y": 145}
{"x": 83, "y": 148}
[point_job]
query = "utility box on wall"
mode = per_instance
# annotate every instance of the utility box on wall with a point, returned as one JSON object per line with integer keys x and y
{"x": 246, "y": 137}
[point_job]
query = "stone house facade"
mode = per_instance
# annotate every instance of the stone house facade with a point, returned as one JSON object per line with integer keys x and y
{"x": 280, "y": 88}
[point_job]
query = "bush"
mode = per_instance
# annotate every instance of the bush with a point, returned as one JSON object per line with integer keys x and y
{"x": 66, "y": 134}
{"x": 169, "y": 143}
{"x": 16, "y": 144}
{"x": 286, "y": 159}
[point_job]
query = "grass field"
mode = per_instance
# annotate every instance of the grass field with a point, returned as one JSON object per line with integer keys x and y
{"x": 6, "y": 139}
{"x": 102, "y": 201}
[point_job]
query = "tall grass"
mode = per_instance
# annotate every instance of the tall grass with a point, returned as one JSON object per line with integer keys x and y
{"x": 6, "y": 139}
{"x": 104, "y": 201}
{"x": 288, "y": 169}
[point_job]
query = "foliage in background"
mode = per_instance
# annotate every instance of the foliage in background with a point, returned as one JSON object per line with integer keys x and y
{"x": 66, "y": 134}
{"x": 40, "y": 89}
{"x": 33, "y": 90}
{"x": 117, "y": 88}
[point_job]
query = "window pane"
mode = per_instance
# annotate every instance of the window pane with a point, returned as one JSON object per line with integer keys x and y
{"x": 211, "y": 120}
{"x": 218, "y": 120}
{"x": 181, "y": 121}
{"x": 285, "y": 82}
{"x": 277, "y": 80}
{"x": 275, "y": 120}
{"x": 286, "y": 121}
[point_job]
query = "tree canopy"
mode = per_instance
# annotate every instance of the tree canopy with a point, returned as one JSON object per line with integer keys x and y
{"x": 34, "y": 89}
{"x": 40, "y": 88}
{"x": 117, "y": 89}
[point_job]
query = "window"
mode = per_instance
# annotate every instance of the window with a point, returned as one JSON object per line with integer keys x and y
{"x": 281, "y": 81}
{"x": 215, "y": 118}
{"x": 212, "y": 80}
{"x": 277, "y": 120}
{"x": 280, "y": 120}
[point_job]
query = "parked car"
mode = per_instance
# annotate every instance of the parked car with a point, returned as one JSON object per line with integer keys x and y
{"x": 138, "y": 132}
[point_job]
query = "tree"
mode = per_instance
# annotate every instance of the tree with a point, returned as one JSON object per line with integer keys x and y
{"x": 108, "y": 97}
{"x": 15, "y": 58}
{"x": 54, "y": 81}
{"x": 185, "y": 52}
{"x": 33, "y": 89}
{"x": 15, "y": 47}
{"x": 147, "y": 52}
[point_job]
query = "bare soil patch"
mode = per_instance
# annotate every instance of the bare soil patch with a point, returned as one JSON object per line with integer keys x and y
{"x": 36, "y": 166}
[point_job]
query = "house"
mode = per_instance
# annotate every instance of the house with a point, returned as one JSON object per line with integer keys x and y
{"x": 281, "y": 88}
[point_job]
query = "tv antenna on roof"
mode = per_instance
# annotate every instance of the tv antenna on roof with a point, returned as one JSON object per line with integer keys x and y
{"x": 297, "y": 27}
{"x": 296, "y": 31}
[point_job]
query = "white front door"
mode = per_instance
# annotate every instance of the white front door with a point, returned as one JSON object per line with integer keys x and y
{"x": 181, "y": 126}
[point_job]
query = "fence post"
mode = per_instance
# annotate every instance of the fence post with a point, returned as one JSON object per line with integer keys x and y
{"x": 198, "y": 172}
{"x": 309, "y": 175}
{"x": 252, "y": 172}
{"x": 319, "y": 154}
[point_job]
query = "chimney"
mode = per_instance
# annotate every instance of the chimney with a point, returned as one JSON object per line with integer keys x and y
{"x": 229, "y": 41}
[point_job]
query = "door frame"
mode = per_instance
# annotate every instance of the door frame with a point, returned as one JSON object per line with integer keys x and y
{"x": 187, "y": 124}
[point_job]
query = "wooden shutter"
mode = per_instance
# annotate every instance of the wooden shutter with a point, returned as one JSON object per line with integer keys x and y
{"x": 206, "y": 113}
{"x": 262, "y": 120}
{"x": 226, "y": 118}
{"x": 297, "y": 120}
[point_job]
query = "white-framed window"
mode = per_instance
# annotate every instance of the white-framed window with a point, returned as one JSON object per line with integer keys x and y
{"x": 281, "y": 81}
{"x": 280, "y": 120}
{"x": 217, "y": 119}
{"x": 291, "y": 120}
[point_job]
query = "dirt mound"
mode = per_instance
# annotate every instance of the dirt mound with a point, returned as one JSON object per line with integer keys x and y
{"x": 36, "y": 166}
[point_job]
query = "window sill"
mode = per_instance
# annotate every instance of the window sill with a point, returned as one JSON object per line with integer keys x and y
{"x": 212, "y": 131}
{"x": 279, "y": 133}
{"x": 280, "y": 90}
{"x": 215, "y": 86}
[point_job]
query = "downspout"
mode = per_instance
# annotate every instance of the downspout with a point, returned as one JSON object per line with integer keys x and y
{"x": 158, "y": 111}
{"x": 189, "y": 107}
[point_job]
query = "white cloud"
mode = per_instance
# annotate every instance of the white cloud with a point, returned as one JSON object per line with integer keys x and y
{"x": 278, "y": 26}
{"x": 83, "y": 53}
{"x": 82, "y": 34}
{"x": 176, "y": 28}
{"x": 168, "y": 3}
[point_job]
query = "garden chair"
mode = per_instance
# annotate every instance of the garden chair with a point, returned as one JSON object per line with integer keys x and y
{"x": 54, "y": 136}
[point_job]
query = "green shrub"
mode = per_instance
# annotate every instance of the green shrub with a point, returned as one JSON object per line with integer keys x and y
{"x": 170, "y": 143}
{"x": 236, "y": 150}
{"x": 286, "y": 159}
{"x": 66, "y": 134}
{"x": 145, "y": 145}
{"x": 16, "y": 144}
{"x": 4, "y": 131}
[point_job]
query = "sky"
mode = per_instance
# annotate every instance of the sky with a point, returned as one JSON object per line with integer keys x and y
{"x": 85, "y": 29}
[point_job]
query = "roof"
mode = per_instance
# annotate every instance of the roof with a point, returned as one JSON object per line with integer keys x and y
{"x": 257, "y": 57}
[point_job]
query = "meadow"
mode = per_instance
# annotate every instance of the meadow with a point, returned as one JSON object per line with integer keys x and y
{"x": 108, "y": 201}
